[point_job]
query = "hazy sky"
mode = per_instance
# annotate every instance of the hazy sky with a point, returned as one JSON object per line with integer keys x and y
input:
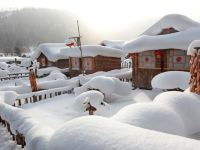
{"x": 115, "y": 15}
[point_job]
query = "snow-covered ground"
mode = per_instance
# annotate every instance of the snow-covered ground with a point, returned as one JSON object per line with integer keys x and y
{"x": 56, "y": 111}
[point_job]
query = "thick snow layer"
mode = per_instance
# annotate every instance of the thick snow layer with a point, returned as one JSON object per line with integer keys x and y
{"x": 92, "y": 50}
{"x": 3, "y": 65}
{"x": 151, "y": 116}
{"x": 8, "y": 97}
{"x": 95, "y": 98}
{"x": 14, "y": 69}
{"x": 113, "y": 43}
{"x": 46, "y": 71}
{"x": 11, "y": 58}
{"x": 97, "y": 133}
{"x": 178, "y": 40}
{"x": 50, "y": 50}
{"x": 186, "y": 105}
{"x": 191, "y": 50}
{"x": 19, "y": 89}
{"x": 178, "y": 22}
{"x": 171, "y": 80}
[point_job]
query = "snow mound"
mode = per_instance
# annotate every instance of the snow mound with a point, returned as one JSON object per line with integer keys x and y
{"x": 150, "y": 116}
{"x": 177, "y": 21}
{"x": 186, "y": 105}
{"x": 26, "y": 62}
{"x": 171, "y": 80}
{"x": 191, "y": 50}
{"x": 4, "y": 73}
{"x": 98, "y": 133}
{"x": 3, "y": 65}
{"x": 95, "y": 98}
{"x": 14, "y": 69}
{"x": 8, "y": 97}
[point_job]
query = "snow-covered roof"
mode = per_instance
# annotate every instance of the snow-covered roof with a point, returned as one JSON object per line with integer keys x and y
{"x": 189, "y": 31}
{"x": 191, "y": 48}
{"x": 50, "y": 50}
{"x": 113, "y": 43}
{"x": 177, "y": 21}
{"x": 92, "y": 50}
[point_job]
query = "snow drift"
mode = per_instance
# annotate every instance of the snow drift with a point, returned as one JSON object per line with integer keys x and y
{"x": 104, "y": 134}
{"x": 186, "y": 105}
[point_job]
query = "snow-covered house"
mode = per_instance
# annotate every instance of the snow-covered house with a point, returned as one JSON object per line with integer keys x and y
{"x": 94, "y": 58}
{"x": 162, "y": 47}
{"x": 48, "y": 54}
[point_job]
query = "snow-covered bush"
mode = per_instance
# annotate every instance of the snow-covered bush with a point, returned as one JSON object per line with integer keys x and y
{"x": 151, "y": 116}
{"x": 95, "y": 98}
{"x": 186, "y": 105}
{"x": 107, "y": 85}
{"x": 98, "y": 133}
{"x": 171, "y": 80}
{"x": 14, "y": 69}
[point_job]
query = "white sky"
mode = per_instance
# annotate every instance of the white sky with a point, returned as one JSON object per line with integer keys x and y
{"x": 112, "y": 15}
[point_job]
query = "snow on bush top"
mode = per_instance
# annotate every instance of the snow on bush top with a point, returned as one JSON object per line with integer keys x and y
{"x": 179, "y": 22}
{"x": 186, "y": 105}
{"x": 113, "y": 43}
{"x": 150, "y": 116}
{"x": 98, "y": 133}
{"x": 171, "y": 80}
{"x": 92, "y": 50}
{"x": 191, "y": 50}
{"x": 14, "y": 69}
{"x": 95, "y": 98}
{"x": 50, "y": 50}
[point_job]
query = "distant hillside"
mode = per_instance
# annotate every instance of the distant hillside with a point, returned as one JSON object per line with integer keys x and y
{"x": 21, "y": 29}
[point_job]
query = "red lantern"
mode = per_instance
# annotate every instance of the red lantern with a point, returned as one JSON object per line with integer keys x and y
{"x": 178, "y": 59}
{"x": 158, "y": 53}
{"x": 146, "y": 59}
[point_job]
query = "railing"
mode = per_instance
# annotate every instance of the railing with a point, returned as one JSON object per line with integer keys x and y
{"x": 15, "y": 76}
{"x": 41, "y": 95}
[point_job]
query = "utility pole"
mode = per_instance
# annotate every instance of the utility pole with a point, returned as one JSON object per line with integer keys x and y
{"x": 77, "y": 40}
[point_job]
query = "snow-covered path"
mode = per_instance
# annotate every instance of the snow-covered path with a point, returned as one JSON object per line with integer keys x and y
{"x": 6, "y": 142}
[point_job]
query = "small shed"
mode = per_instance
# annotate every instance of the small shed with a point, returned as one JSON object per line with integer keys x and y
{"x": 95, "y": 58}
{"x": 48, "y": 55}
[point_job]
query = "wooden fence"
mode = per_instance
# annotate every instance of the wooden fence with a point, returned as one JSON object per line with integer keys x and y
{"x": 18, "y": 137}
{"x": 15, "y": 76}
{"x": 41, "y": 95}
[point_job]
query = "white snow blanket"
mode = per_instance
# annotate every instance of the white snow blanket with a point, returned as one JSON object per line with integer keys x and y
{"x": 8, "y": 97}
{"x": 26, "y": 62}
{"x": 92, "y": 50}
{"x": 4, "y": 73}
{"x": 191, "y": 50}
{"x": 151, "y": 116}
{"x": 50, "y": 50}
{"x": 186, "y": 105}
{"x": 149, "y": 40}
{"x": 171, "y": 80}
{"x": 177, "y": 21}
{"x": 97, "y": 133}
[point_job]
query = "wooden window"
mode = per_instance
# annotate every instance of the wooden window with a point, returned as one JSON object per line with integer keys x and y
{"x": 75, "y": 63}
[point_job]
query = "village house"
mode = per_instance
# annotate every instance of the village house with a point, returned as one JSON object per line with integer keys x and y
{"x": 94, "y": 58}
{"x": 164, "y": 51}
{"x": 48, "y": 55}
